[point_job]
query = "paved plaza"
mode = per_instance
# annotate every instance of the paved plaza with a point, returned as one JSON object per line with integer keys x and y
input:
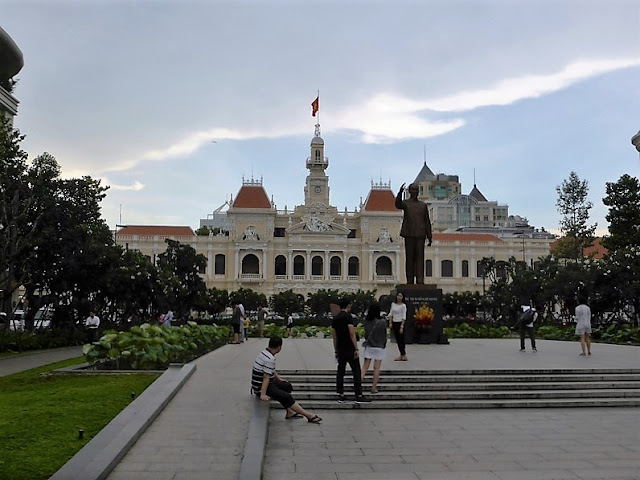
{"x": 201, "y": 434}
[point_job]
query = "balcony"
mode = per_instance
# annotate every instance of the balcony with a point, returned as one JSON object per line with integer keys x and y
{"x": 250, "y": 277}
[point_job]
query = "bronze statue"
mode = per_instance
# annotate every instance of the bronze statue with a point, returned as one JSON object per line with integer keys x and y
{"x": 416, "y": 228}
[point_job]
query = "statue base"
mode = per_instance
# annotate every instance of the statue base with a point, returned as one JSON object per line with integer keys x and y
{"x": 415, "y": 296}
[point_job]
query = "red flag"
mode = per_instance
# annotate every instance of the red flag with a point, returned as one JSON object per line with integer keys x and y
{"x": 315, "y": 105}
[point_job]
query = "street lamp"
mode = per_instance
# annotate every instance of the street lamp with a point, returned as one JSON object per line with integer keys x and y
{"x": 522, "y": 236}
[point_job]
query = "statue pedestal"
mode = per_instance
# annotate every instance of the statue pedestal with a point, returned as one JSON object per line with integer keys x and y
{"x": 415, "y": 296}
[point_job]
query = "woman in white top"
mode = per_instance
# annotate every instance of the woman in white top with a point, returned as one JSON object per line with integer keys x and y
{"x": 583, "y": 326}
{"x": 397, "y": 317}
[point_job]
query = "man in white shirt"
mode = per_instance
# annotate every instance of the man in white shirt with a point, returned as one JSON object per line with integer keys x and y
{"x": 92, "y": 323}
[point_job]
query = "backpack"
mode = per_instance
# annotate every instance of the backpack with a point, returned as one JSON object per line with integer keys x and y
{"x": 526, "y": 317}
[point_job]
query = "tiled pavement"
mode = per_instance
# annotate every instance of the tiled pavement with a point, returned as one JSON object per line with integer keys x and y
{"x": 513, "y": 444}
{"x": 202, "y": 432}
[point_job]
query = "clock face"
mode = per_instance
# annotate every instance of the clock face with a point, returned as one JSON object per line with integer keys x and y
{"x": 317, "y": 189}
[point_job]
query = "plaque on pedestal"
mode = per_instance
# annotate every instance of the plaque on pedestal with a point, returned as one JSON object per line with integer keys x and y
{"x": 424, "y": 322}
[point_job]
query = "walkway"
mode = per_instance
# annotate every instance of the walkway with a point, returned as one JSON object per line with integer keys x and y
{"x": 201, "y": 433}
{"x": 38, "y": 358}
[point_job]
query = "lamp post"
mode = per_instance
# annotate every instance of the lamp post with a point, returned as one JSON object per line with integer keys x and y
{"x": 522, "y": 236}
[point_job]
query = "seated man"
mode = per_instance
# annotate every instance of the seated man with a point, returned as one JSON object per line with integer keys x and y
{"x": 267, "y": 384}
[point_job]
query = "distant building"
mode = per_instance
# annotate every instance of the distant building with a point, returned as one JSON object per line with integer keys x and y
{"x": 314, "y": 246}
{"x": 11, "y": 62}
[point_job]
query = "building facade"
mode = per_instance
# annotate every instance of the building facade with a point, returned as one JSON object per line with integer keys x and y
{"x": 314, "y": 246}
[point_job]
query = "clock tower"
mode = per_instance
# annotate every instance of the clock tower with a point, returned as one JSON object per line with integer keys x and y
{"x": 316, "y": 190}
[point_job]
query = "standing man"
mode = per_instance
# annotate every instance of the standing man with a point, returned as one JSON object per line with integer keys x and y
{"x": 345, "y": 346}
{"x": 168, "y": 317}
{"x": 262, "y": 313}
{"x": 91, "y": 323}
{"x": 527, "y": 318}
{"x": 416, "y": 228}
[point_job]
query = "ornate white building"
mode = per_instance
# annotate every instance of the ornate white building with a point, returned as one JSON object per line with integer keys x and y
{"x": 315, "y": 246}
{"x": 11, "y": 62}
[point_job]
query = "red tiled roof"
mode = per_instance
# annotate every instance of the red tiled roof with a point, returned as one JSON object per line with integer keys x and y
{"x": 252, "y": 197}
{"x": 157, "y": 230}
{"x": 380, "y": 201}
{"x": 597, "y": 250}
{"x": 466, "y": 237}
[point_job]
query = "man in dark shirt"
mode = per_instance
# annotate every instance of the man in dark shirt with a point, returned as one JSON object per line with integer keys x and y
{"x": 346, "y": 350}
{"x": 416, "y": 228}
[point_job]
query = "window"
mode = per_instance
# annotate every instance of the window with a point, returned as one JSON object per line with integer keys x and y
{"x": 479, "y": 269}
{"x": 352, "y": 233}
{"x": 298, "y": 265}
{"x": 447, "y": 268}
{"x": 465, "y": 268}
{"x": 318, "y": 155}
{"x": 335, "y": 266}
{"x": 280, "y": 265}
{"x": 429, "y": 268}
{"x": 501, "y": 269}
{"x": 219, "y": 266}
{"x": 250, "y": 264}
{"x": 354, "y": 267}
{"x": 316, "y": 265}
{"x": 279, "y": 232}
{"x": 383, "y": 266}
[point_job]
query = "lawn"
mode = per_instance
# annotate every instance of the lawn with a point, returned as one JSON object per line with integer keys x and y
{"x": 41, "y": 413}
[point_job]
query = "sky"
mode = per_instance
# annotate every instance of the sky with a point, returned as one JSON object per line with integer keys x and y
{"x": 173, "y": 103}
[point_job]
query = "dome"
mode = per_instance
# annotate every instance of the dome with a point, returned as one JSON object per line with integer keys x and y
{"x": 317, "y": 141}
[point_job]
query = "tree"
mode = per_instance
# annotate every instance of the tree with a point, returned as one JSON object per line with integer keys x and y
{"x": 623, "y": 200}
{"x": 179, "y": 270}
{"x": 203, "y": 231}
{"x": 574, "y": 207}
{"x": 250, "y": 299}
{"x": 14, "y": 205}
{"x": 318, "y": 302}
{"x": 286, "y": 302}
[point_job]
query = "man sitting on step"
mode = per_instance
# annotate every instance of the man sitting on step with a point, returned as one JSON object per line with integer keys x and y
{"x": 267, "y": 384}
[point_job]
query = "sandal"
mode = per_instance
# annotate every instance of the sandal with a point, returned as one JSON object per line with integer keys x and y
{"x": 314, "y": 419}
{"x": 295, "y": 415}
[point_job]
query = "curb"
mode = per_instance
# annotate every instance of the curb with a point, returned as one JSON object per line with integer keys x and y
{"x": 256, "y": 443}
{"x": 99, "y": 457}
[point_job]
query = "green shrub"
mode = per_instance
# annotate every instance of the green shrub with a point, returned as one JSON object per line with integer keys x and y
{"x": 153, "y": 346}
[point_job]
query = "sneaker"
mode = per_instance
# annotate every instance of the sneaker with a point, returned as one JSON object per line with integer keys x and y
{"x": 535, "y": 349}
{"x": 522, "y": 349}
{"x": 342, "y": 398}
{"x": 363, "y": 399}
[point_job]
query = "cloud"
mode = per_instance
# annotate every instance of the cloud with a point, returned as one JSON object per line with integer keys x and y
{"x": 388, "y": 118}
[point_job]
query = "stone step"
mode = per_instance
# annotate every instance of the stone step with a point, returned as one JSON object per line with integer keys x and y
{"x": 390, "y": 377}
{"x": 306, "y": 397}
{"x": 467, "y": 404}
{"x": 501, "y": 371}
{"x": 383, "y": 386}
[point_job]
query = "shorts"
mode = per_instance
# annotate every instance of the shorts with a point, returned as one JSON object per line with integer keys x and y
{"x": 581, "y": 329}
{"x": 236, "y": 327}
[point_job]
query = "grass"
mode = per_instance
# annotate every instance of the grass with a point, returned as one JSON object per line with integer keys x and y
{"x": 41, "y": 413}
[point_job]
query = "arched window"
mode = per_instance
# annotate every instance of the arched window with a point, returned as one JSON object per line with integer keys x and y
{"x": 335, "y": 266}
{"x": 354, "y": 267}
{"x": 250, "y": 264}
{"x": 465, "y": 268}
{"x": 280, "y": 266}
{"x": 298, "y": 265}
{"x": 219, "y": 266}
{"x": 501, "y": 269}
{"x": 318, "y": 155}
{"x": 383, "y": 266}
{"x": 479, "y": 269}
{"x": 316, "y": 265}
{"x": 429, "y": 268}
{"x": 447, "y": 268}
